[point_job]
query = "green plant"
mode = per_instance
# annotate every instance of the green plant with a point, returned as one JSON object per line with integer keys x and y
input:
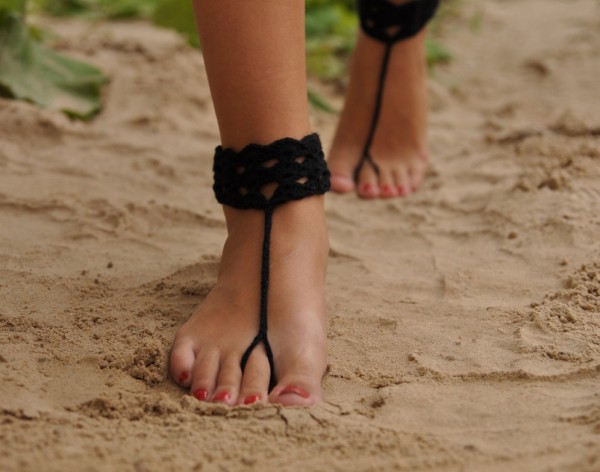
{"x": 30, "y": 71}
{"x": 177, "y": 15}
{"x": 35, "y": 73}
{"x": 113, "y": 9}
{"x": 330, "y": 32}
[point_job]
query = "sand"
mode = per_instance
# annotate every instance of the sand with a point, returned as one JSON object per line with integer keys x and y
{"x": 464, "y": 321}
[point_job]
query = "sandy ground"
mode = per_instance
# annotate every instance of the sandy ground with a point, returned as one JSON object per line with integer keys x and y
{"x": 464, "y": 320}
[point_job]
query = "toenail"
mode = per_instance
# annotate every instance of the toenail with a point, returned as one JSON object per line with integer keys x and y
{"x": 221, "y": 397}
{"x": 403, "y": 190}
{"x": 295, "y": 390}
{"x": 251, "y": 399}
{"x": 201, "y": 394}
{"x": 184, "y": 376}
{"x": 387, "y": 188}
{"x": 367, "y": 188}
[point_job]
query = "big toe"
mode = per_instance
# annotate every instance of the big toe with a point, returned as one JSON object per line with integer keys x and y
{"x": 341, "y": 172}
{"x": 299, "y": 378}
{"x": 296, "y": 390}
{"x": 341, "y": 183}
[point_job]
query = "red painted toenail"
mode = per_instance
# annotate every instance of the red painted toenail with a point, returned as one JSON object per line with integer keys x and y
{"x": 201, "y": 394}
{"x": 296, "y": 390}
{"x": 221, "y": 397}
{"x": 251, "y": 399}
{"x": 367, "y": 188}
{"x": 403, "y": 190}
{"x": 184, "y": 376}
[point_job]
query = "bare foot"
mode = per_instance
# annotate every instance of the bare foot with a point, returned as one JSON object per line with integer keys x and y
{"x": 399, "y": 146}
{"x": 208, "y": 348}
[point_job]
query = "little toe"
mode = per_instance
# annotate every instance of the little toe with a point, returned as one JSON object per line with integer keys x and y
{"x": 228, "y": 383}
{"x": 368, "y": 185}
{"x": 204, "y": 374}
{"x": 256, "y": 377}
{"x": 181, "y": 361}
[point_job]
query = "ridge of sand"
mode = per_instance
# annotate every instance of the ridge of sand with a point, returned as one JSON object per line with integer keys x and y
{"x": 464, "y": 320}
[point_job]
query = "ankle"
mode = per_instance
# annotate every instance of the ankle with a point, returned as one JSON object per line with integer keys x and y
{"x": 293, "y": 222}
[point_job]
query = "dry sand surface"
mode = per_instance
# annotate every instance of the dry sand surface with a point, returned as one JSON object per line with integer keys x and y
{"x": 464, "y": 321}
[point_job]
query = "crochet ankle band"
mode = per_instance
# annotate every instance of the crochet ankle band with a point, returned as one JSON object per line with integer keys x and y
{"x": 292, "y": 169}
{"x": 389, "y": 23}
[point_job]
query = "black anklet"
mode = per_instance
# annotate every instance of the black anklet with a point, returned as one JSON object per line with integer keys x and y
{"x": 297, "y": 169}
{"x": 389, "y": 23}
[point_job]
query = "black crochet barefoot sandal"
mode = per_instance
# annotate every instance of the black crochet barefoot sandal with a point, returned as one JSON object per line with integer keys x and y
{"x": 389, "y": 23}
{"x": 297, "y": 169}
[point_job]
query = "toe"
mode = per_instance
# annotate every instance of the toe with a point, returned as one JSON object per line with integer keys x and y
{"x": 341, "y": 167}
{"x": 181, "y": 361}
{"x": 341, "y": 183}
{"x": 387, "y": 186}
{"x": 204, "y": 374}
{"x": 417, "y": 173}
{"x": 368, "y": 186}
{"x": 300, "y": 370}
{"x": 402, "y": 181}
{"x": 228, "y": 383}
{"x": 255, "y": 380}
{"x": 296, "y": 389}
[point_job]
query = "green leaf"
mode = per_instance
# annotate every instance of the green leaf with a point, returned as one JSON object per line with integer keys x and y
{"x": 62, "y": 7}
{"x": 15, "y": 6}
{"x": 177, "y": 15}
{"x": 330, "y": 34}
{"x": 30, "y": 71}
{"x": 436, "y": 53}
{"x": 121, "y": 9}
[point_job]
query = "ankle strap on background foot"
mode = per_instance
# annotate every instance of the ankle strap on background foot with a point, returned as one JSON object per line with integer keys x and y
{"x": 389, "y": 22}
{"x": 296, "y": 168}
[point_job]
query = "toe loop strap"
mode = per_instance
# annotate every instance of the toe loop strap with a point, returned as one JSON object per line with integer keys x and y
{"x": 366, "y": 159}
{"x": 295, "y": 168}
{"x": 261, "y": 337}
{"x": 389, "y": 22}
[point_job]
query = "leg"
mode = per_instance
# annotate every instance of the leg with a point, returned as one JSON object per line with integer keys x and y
{"x": 399, "y": 146}
{"x": 254, "y": 56}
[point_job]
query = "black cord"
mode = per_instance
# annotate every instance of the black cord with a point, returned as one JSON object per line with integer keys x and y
{"x": 388, "y": 23}
{"x": 366, "y": 153}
